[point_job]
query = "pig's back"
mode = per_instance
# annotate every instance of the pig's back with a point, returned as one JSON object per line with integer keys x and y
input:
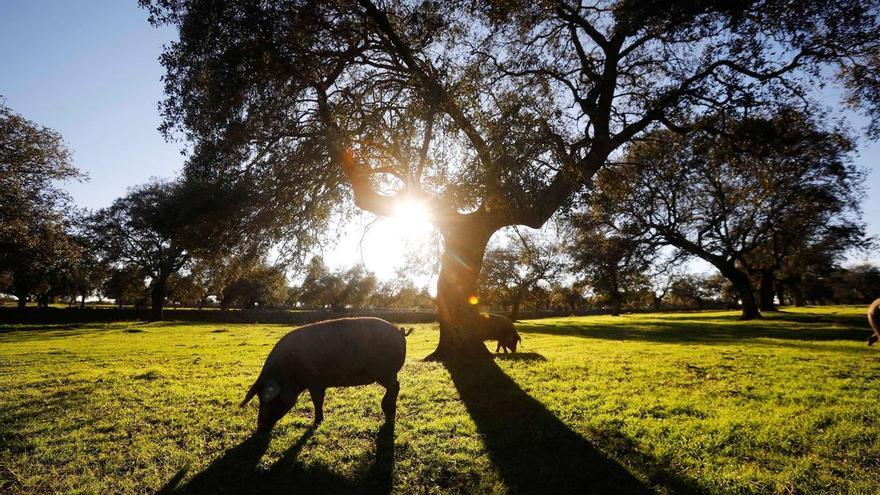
{"x": 344, "y": 352}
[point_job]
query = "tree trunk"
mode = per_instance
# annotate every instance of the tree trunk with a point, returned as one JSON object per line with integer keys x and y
{"x": 796, "y": 293}
{"x": 465, "y": 244}
{"x": 22, "y": 301}
{"x": 765, "y": 290}
{"x": 616, "y": 303}
{"x": 82, "y": 303}
{"x": 743, "y": 288}
{"x": 517, "y": 300}
{"x": 157, "y": 297}
{"x": 225, "y": 302}
{"x": 780, "y": 293}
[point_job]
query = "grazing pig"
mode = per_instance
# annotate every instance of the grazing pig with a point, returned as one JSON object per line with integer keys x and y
{"x": 874, "y": 321}
{"x": 500, "y": 328}
{"x": 335, "y": 353}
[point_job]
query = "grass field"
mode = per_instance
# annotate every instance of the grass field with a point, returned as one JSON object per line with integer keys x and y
{"x": 669, "y": 403}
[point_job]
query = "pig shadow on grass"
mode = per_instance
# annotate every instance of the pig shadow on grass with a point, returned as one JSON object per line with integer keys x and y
{"x": 237, "y": 471}
{"x": 532, "y": 449}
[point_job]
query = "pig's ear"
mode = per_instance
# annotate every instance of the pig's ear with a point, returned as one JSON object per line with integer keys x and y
{"x": 271, "y": 389}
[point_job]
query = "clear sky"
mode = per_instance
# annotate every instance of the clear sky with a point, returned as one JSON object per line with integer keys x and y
{"x": 90, "y": 70}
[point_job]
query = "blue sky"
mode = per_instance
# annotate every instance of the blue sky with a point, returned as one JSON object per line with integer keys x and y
{"x": 89, "y": 69}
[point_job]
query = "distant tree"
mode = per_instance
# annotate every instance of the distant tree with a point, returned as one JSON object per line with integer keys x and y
{"x": 494, "y": 113}
{"x": 613, "y": 261}
{"x": 719, "y": 288}
{"x": 570, "y": 296}
{"x": 336, "y": 289}
{"x": 817, "y": 254}
{"x": 85, "y": 271}
{"x": 125, "y": 285}
{"x": 317, "y": 283}
{"x": 721, "y": 192}
{"x": 859, "y": 284}
{"x": 40, "y": 265}
{"x": 512, "y": 270}
{"x": 661, "y": 284}
{"x": 358, "y": 286}
{"x": 816, "y": 229}
{"x": 292, "y": 298}
{"x": 146, "y": 228}
{"x": 692, "y": 290}
{"x": 33, "y": 159}
{"x": 34, "y": 229}
{"x": 263, "y": 285}
{"x": 187, "y": 289}
{"x": 401, "y": 293}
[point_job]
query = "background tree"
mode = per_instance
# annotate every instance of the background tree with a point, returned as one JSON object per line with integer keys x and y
{"x": 819, "y": 226}
{"x": 187, "y": 290}
{"x": 337, "y": 289}
{"x": 661, "y": 281}
{"x": 263, "y": 285}
{"x": 512, "y": 270}
{"x": 721, "y": 194}
{"x": 859, "y": 284}
{"x": 86, "y": 271}
{"x": 317, "y": 283}
{"x": 34, "y": 228}
{"x": 493, "y": 113}
{"x": 817, "y": 255}
{"x": 692, "y": 290}
{"x": 613, "y": 262}
{"x": 569, "y": 296}
{"x": 147, "y": 228}
{"x": 401, "y": 293}
{"x": 125, "y": 285}
{"x": 40, "y": 263}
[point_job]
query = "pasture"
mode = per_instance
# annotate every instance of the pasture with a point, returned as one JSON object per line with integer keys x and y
{"x": 652, "y": 403}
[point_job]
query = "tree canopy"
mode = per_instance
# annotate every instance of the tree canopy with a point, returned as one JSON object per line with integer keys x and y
{"x": 735, "y": 192}
{"x": 35, "y": 214}
{"x": 147, "y": 228}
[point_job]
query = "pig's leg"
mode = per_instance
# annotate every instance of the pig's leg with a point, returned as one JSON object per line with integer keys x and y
{"x": 389, "y": 402}
{"x": 498, "y": 347}
{"x": 318, "y": 401}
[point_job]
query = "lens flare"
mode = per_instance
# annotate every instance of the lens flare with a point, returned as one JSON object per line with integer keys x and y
{"x": 412, "y": 213}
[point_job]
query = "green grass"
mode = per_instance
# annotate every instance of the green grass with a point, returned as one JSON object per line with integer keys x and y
{"x": 669, "y": 403}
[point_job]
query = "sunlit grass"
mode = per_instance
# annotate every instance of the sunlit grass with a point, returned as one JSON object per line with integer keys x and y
{"x": 690, "y": 402}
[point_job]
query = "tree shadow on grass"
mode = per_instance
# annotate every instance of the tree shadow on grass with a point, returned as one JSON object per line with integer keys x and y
{"x": 237, "y": 471}
{"x": 659, "y": 474}
{"x": 533, "y": 450}
{"x": 712, "y": 329}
